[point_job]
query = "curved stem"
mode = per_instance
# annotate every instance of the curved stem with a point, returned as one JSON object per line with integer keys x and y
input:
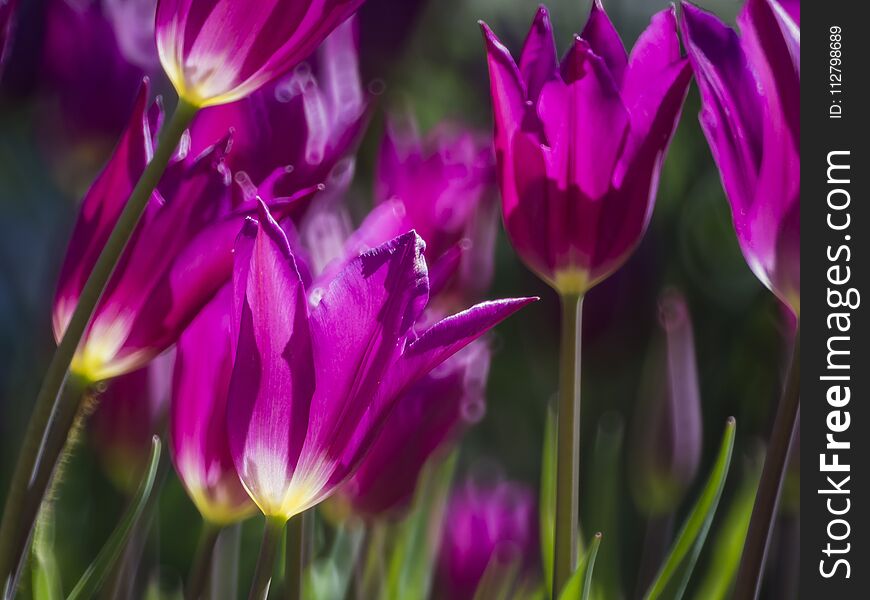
{"x": 749, "y": 575}
{"x": 201, "y": 569}
{"x": 568, "y": 444}
{"x": 266, "y": 561}
{"x": 34, "y": 466}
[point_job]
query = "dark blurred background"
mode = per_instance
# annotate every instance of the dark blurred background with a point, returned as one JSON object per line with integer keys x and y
{"x": 429, "y": 58}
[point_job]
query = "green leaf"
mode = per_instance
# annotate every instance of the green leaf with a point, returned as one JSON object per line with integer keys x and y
{"x": 678, "y": 566}
{"x": 329, "y": 577}
{"x": 729, "y": 544}
{"x": 579, "y": 587}
{"x": 411, "y": 558}
{"x": 103, "y": 565}
{"x": 547, "y": 505}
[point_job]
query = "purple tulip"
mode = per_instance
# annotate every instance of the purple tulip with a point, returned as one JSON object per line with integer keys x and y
{"x": 131, "y": 410}
{"x": 750, "y": 114}
{"x": 199, "y": 443}
{"x": 7, "y": 23}
{"x": 290, "y": 134}
{"x": 669, "y": 427}
{"x": 179, "y": 256}
{"x": 314, "y": 381}
{"x": 580, "y": 144}
{"x": 431, "y": 415}
{"x": 439, "y": 187}
{"x": 484, "y": 523}
{"x": 220, "y": 51}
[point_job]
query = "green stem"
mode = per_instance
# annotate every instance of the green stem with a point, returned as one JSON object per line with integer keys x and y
{"x": 568, "y": 444}
{"x": 33, "y": 469}
{"x": 295, "y": 557}
{"x": 266, "y": 561}
{"x": 749, "y": 575}
{"x": 201, "y": 569}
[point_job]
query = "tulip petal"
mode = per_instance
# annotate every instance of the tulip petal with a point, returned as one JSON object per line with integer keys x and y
{"x": 538, "y": 61}
{"x": 732, "y": 115}
{"x": 604, "y": 40}
{"x": 358, "y": 328}
{"x": 198, "y": 424}
{"x": 100, "y": 211}
{"x": 273, "y": 377}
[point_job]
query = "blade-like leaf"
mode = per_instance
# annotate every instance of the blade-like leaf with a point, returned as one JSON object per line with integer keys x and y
{"x": 729, "y": 544}
{"x": 678, "y": 566}
{"x": 96, "y": 573}
{"x": 411, "y": 560}
{"x": 547, "y": 505}
{"x": 579, "y": 587}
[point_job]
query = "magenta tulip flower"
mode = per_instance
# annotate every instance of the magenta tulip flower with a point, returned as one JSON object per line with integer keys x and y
{"x": 199, "y": 441}
{"x": 750, "y": 114}
{"x": 440, "y": 188}
{"x": 179, "y": 256}
{"x": 219, "y": 51}
{"x": 580, "y": 144}
{"x": 314, "y": 381}
{"x": 427, "y": 418}
{"x": 132, "y": 409}
{"x": 483, "y": 522}
{"x": 291, "y": 134}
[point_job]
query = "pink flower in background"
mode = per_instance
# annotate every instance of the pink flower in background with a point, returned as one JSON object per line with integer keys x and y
{"x": 751, "y": 116}
{"x": 580, "y": 144}
{"x": 290, "y": 134}
{"x": 199, "y": 443}
{"x": 220, "y": 51}
{"x": 131, "y": 410}
{"x": 440, "y": 186}
{"x": 427, "y": 419}
{"x": 483, "y": 521}
{"x": 179, "y": 256}
{"x": 314, "y": 381}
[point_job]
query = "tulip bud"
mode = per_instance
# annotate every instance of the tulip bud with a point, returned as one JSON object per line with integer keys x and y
{"x": 667, "y": 441}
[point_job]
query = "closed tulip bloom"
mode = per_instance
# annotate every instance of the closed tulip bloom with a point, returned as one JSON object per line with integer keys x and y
{"x": 219, "y": 51}
{"x": 580, "y": 144}
{"x": 314, "y": 382}
{"x": 132, "y": 409}
{"x": 440, "y": 186}
{"x": 199, "y": 443}
{"x": 481, "y": 522}
{"x": 427, "y": 418}
{"x": 178, "y": 257}
{"x": 750, "y": 115}
{"x": 290, "y": 134}
{"x": 668, "y": 439}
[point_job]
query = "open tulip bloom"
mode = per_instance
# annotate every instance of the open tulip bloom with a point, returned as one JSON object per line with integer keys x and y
{"x": 219, "y": 51}
{"x": 312, "y": 385}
